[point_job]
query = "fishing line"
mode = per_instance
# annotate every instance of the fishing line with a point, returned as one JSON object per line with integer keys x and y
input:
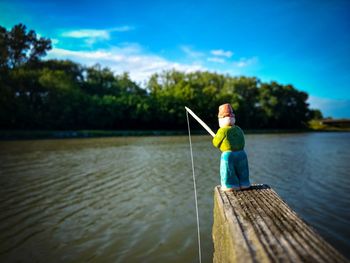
{"x": 195, "y": 189}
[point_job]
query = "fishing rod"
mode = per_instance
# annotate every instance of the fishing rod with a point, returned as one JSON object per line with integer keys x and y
{"x": 200, "y": 121}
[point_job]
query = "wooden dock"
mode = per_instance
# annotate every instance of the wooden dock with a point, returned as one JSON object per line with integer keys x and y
{"x": 256, "y": 225}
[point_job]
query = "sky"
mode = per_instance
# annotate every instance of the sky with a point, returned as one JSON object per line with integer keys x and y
{"x": 303, "y": 43}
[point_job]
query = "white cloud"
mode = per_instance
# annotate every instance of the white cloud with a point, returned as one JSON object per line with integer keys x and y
{"x": 91, "y": 36}
{"x": 121, "y": 29}
{"x": 130, "y": 57}
{"x": 337, "y": 108}
{"x": 245, "y": 62}
{"x": 216, "y": 60}
{"x": 190, "y": 52}
{"x": 87, "y": 33}
{"x": 222, "y": 53}
{"x": 127, "y": 58}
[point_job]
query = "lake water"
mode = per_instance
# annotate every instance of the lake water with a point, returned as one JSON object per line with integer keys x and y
{"x": 130, "y": 199}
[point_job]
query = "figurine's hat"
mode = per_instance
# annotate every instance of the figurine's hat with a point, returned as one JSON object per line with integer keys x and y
{"x": 225, "y": 110}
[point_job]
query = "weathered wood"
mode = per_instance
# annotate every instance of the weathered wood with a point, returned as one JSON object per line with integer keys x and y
{"x": 255, "y": 225}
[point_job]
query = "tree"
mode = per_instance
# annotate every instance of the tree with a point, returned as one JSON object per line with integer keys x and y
{"x": 284, "y": 106}
{"x": 18, "y": 47}
{"x": 245, "y": 101}
{"x": 315, "y": 114}
{"x": 62, "y": 94}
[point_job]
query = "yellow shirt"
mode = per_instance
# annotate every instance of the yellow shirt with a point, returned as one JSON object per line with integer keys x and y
{"x": 229, "y": 138}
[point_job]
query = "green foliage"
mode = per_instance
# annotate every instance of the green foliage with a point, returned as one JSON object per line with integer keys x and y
{"x": 61, "y": 94}
{"x": 316, "y": 114}
{"x": 315, "y": 124}
{"x": 283, "y": 106}
{"x": 18, "y": 47}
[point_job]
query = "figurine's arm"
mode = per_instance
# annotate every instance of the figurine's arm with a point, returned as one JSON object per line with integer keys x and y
{"x": 218, "y": 138}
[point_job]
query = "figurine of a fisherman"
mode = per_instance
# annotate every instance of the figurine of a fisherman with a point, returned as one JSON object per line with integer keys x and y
{"x": 234, "y": 171}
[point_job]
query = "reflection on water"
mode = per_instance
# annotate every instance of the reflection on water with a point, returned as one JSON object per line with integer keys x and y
{"x": 131, "y": 199}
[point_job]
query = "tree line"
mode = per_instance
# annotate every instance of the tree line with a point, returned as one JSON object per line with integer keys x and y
{"x": 62, "y": 94}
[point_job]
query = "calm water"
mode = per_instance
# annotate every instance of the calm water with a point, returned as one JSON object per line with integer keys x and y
{"x": 131, "y": 199}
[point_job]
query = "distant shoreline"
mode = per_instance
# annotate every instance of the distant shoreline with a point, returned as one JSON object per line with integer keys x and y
{"x": 56, "y": 134}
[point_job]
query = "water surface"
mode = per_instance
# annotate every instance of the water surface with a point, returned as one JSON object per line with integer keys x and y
{"x": 130, "y": 199}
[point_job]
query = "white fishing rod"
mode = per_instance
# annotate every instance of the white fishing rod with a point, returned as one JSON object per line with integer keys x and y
{"x": 194, "y": 178}
{"x": 200, "y": 121}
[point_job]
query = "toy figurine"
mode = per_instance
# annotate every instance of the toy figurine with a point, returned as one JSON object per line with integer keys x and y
{"x": 234, "y": 170}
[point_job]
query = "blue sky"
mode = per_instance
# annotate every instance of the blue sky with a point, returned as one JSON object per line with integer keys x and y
{"x": 303, "y": 43}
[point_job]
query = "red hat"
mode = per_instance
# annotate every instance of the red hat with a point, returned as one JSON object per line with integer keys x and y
{"x": 225, "y": 110}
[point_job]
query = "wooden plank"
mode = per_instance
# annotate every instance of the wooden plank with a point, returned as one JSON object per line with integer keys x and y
{"x": 256, "y": 225}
